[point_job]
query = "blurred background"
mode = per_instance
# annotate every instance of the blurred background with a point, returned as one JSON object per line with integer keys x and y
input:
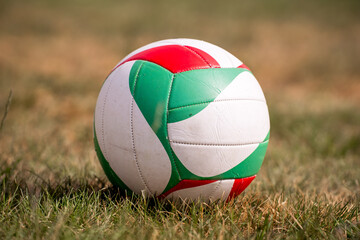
{"x": 54, "y": 56}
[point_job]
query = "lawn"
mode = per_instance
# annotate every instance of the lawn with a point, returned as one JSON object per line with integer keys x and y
{"x": 55, "y": 55}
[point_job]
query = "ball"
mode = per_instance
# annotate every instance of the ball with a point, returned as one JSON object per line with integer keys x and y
{"x": 181, "y": 119}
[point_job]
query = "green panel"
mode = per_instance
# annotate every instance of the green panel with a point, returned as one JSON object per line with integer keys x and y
{"x": 182, "y": 113}
{"x": 112, "y": 176}
{"x": 193, "y": 90}
{"x": 250, "y": 166}
{"x": 150, "y": 85}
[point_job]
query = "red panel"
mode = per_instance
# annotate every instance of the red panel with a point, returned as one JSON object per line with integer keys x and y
{"x": 239, "y": 186}
{"x": 205, "y": 56}
{"x": 187, "y": 184}
{"x": 177, "y": 58}
{"x": 244, "y": 66}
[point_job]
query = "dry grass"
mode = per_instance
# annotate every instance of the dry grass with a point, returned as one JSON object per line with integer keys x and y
{"x": 55, "y": 55}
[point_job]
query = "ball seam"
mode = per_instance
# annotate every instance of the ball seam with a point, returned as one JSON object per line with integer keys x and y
{"x": 219, "y": 100}
{"x": 167, "y": 129}
{"x": 217, "y": 144}
{"x": 132, "y": 132}
{"x": 103, "y": 118}
{"x": 215, "y": 188}
{"x": 196, "y": 53}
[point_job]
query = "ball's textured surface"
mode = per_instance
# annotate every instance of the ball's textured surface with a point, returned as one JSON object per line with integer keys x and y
{"x": 181, "y": 118}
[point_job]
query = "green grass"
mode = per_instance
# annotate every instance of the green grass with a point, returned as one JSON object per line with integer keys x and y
{"x": 55, "y": 55}
{"x": 308, "y": 187}
{"x": 85, "y": 208}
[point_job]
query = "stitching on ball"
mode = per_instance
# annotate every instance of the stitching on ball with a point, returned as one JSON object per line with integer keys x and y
{"x": 189, "y": 69}
{"x": 192, "y": 50}
{"x": 215, "y": 188}
{"x": 167, "y": 130}
{"x": 220, "y": 100}
{"x": 137, "y": 76}
{"x": 132, "y": 131}
{"x": 217, "y": 144}
{"x": 103, "y": 118}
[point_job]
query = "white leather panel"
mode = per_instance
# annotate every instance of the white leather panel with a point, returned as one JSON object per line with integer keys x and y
{"x": 226, "y": 132}
{"x": 245, "y": 87}
{"x": 126, "y": 139}
{"x": 112, "y": 126}
{"x": 211, "y": 160}
{"x": 224, "y": 122}
{"x": 153, "y": 161}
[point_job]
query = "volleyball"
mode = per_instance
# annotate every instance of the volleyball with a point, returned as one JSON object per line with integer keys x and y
{"x": 181, "y": 119}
